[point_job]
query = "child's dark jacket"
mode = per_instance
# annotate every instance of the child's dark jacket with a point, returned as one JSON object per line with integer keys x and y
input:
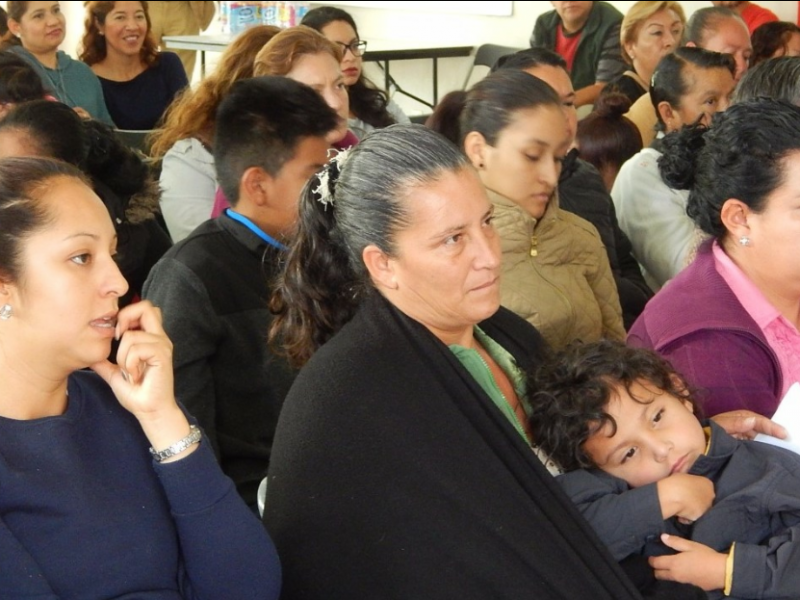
{"x": 757, "y": 505}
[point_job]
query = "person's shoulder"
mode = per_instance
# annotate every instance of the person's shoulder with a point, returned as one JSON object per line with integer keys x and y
{"x": 587, "y": 178}
{"x": 782, "y": 458}
{"x": 548, "y": 19}
{"x": 170, "y": 62}
{"x": 608, "y": 10}
{"x": 65, "y": 61}
{"x": 199, "y": 244}
{"x": 577, "y": 226}
{"x": 517, "y": 336}
{"x": 169, "y": 58}
{"x": 633, "y": 168}
{"x": 19, "y": 51}
{"x": 192, "y": 149}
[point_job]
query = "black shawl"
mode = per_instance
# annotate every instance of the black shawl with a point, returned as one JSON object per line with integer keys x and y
{"x": 394, "y": 476}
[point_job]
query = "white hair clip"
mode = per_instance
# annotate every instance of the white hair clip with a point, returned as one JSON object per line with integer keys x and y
{"x": 329, "y": 175}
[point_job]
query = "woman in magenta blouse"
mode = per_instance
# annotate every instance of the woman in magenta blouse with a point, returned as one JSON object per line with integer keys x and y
{"x": 730, "y": 320}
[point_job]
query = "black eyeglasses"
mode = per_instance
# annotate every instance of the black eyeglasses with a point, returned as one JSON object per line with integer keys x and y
{"x": 357, "y": 48}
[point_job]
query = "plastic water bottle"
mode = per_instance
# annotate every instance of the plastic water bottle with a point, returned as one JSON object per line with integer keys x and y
{"x": 285, "y": 14}
{"x": 243, "y": 15}
{"x": 300, "y": 11}
{"x": 269, "y": 13}
{"x": 224, "y": 17}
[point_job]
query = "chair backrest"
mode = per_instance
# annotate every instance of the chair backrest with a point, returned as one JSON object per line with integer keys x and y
{"x": 485, "y": 57}
{"x": 137, "y": 140}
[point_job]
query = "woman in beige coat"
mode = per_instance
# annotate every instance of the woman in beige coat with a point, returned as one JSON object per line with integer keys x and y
{"x": 555, "y": 270}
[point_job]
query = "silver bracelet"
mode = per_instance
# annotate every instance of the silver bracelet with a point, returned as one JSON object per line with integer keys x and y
{"x": 190, "y": 440}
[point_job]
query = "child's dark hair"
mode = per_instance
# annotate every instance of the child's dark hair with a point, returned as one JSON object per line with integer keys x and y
{"x": 570, "y": 393}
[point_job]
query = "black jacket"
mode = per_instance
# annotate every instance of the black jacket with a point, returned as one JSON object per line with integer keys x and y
{"x": 393, "y": 475}
{"x": 581, "y": 191}
{"x": 213, "y": 288}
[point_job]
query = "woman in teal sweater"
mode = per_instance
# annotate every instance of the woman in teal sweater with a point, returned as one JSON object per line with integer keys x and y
{"x": 40, "y": 28}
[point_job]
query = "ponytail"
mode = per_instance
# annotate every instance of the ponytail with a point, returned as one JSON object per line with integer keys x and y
{"x": 447, "y": 114}
{"x": 680, "y": 151}
{"x": 318, "y": 291}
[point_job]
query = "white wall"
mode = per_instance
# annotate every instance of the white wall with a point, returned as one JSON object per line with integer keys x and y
{"x": 446, "y": 28}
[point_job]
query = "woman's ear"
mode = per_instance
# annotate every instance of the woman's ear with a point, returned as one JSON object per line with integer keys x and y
{"x": 667, "y": 113}
{"x": 734, "y": 215}
{"x": 379, "y": 266}
{"x": 628, "y": 48}
{"x": 13, "y": 26}
{"x": 475, "y": 147}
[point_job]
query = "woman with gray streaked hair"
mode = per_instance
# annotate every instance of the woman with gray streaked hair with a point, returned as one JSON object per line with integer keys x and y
{"x": 402, "y": 465}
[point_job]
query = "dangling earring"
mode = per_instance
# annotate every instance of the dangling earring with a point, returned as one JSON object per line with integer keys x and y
{"x": 5, "y": 312}
{"x": 744, "y": 241}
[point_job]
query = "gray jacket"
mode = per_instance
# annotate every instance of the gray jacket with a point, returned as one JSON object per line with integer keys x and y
{"x": 757, "y": 506}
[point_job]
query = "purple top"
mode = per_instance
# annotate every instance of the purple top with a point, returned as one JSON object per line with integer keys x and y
{"x": 697, "y": 322}
{"x": 781, "y": 334}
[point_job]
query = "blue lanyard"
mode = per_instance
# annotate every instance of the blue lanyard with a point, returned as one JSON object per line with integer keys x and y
{"x": 254, "y": 228}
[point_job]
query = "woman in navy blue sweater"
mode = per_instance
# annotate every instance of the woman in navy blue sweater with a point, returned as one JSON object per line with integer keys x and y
{"x": 108, "y": 489}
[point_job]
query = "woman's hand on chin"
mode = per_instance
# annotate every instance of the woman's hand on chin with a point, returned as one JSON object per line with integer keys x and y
{"x": 142, "y": 379}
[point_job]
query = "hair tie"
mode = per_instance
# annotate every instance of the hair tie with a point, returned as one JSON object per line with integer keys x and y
{"x": 328, "y": 176}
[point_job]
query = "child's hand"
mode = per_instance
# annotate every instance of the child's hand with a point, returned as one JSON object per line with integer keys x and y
{"x": 695, "y": 563}
{"x": 685, "y": 496}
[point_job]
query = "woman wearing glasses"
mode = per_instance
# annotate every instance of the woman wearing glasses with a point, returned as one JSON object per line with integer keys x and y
{"x": 370, "y": 107}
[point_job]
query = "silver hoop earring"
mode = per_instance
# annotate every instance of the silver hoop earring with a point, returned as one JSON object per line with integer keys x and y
{"x": 744, "y": 241}
{"x": 6, "y": 311}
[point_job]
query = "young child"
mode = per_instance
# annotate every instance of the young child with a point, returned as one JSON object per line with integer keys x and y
{"x": 639, "y": 465}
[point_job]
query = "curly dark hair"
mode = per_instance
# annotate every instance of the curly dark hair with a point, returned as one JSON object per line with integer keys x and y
{"x": 572, "y": 390}
{"x": 740, "y": 156}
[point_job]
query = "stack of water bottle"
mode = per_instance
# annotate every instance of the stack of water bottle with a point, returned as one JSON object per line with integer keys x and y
{"x": 238, "y": 16}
